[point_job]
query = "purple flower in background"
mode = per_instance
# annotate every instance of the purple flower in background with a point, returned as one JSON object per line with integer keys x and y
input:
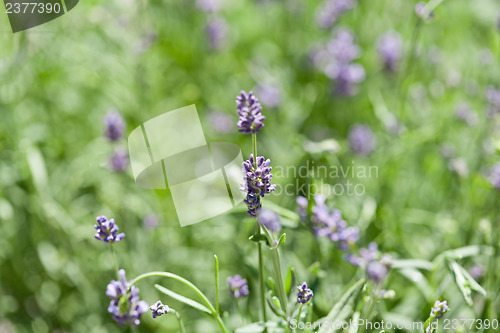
{"x": 158, "y": 309}
{"x": 151, "y": 221}
{"x": 330, "y": 11}
{"x": 377, "y": 267}
{"x": 476, "y": 271}
{"x": 459, "y": 166}
{"x": 270, "y": 219}
{"x": 302, "y": 204}
{"x": 238, "y": 287}
{"x": 420, "y": 11}
{"x": 493, "y": 97}
{"x": 257, "y": 183}
{"x": 119, "y": 160}
{"x": 221, "y": 122}
{"x": 269, "y": 95}
{"x": 217, "y": 31}
{"x": 249, "y": 109}
{"x": 439, "y": 309}
{"x": 349, "y": 76}
{"x": 115, "y": 125}
{"x": 362, "y": 140}
{"x": 464, "y": 112}
{"x": 106, "y": 230}
{"x": 209, "y": 6}
{"x": 390, "y": 49}
{"x": 342, "y": 46}
{"x": 494, "y": 176}
{"x": 125, "y": 304}
{"x": 329, "y": 223}
{"x": 304, "y": 294}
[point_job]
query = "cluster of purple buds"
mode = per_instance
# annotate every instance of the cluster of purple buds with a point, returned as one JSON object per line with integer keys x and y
{"x": 493, "y": 97}
{"x": 336, "y": 61}
{"x": 158, "y": 309}
{"x": 331, "y": 10}
{"x": 238, "y": 287}
{"x": 439, "y": 309}
{"x": 115, "y": 125}
{"x": 107, "y": 230}
{"x": 119, "y": 160}
{"x": 257, "y": 182}
{"x": 390, "y": 50}
{"x": 304, "y": 294}
{"x": 377, "y": 266}
{"x": 249, "y": 109}
{"x": 329, "y": 223}
{"x": 362, "y": 139}
{"x": 125, "y": 305}
{"x": 270, "y": 219}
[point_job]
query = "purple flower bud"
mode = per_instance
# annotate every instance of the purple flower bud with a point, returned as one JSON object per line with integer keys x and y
{"x": 125, "y": 305}
{"x": 420, "y": 11}
{"x": 249, "y": 109}
{"x": 477, "y": 271}
{"x": 269, "y": 95}
{"x": 493, "y": 98}
{"x": 151, "y": 221}
{"x": 217, "y": 31}
{"x": 257, "y": 176}
{"x": 119, "y": 160}
{"x": 270, "y": 219}
{"x": 302, "y": 204}
{"x": 494, "y": 176}
{"x": 362, "y": 139}
{"x": 221, "y": 122}
{"x": 238, "y": 287}
{"x": 439, "y": 309}
{"x": 390, "y": 49}
{"x": 464, "y": 112}
{"x": 106, "y": 230}
{"x": 115, "y": 125}
{"x": 304, "y": 294}
{"x": 331, "y": 10}
{"x": 209, "y": 6}
{"x": 378, "y": 270}
{"x": 158, "y": 309}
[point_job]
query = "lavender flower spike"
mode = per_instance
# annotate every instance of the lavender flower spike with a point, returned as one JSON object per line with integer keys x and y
{"x": 439, "y": 309}
{"x": 249, "y": 109}
{"x": 362, "y": 140}
{"x": 125, "y": 304}
{"x": 115, "y": 125}
{"x": 238, "y": 287}
{"x": 305, "y": 293}
{"x": 257, "y": 176}
{"x": 106, "y": 230}
{"x": 159, "y": 309}
{"x": 390, "y": 49}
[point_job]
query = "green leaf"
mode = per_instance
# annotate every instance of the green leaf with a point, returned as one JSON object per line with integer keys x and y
{"x": 260, "y": 238}
{"x": 418, "y": 279}
{"x": 467, "y": 251}
{"x": 412, "y": 263}
{"x": 465, "y": 282}
{"x": 275, "y": 306}
{"x": 355, "y": 319}
{"x": 343, "y": 308}
{"x": 183, "y": 299}
{"x": 277, "y": 243}
{"x": 289, "y": 280}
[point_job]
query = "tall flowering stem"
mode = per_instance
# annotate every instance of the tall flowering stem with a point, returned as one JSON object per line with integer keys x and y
{"x": 259, "y": 247}
{"x": 205, "y": 299}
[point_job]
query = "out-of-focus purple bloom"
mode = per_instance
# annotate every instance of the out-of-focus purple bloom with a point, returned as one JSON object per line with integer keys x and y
{"x": 151, "y": 221}
{"x": 390, "y": 49}
{"x": 269, "y": 95}
{"x": 330, "y": 11}
{"x": 494, "y": 176}
{"x": 159, "y": 309}
{"x": 119, "y": 160}
{"x": 329, "y": 223}
{"x": 209, "y": 6}
{"x": 464, "y": 112}
{"x": 302, "y": 204}
{"x": 493, "y": 98}
{"x": 217, "y": 31}
{"x": 421, "y": 12}
{"x": 257, "y": 175}
{"x": 115, "y": 125}
{"x": 270, "y": 219}
{"x": 304, "y": 294}
{"x": 238, "y": 287}
{"x": 362, "y": 140}
{"x": 249, "y": 109}
{"x": 459, "y": 166}
{"x": 335, "y": 60}
{"x": 221, "y": 121}
{"x": 125, "y": 305}
{"x": 107, "y": 230}
{"x": 377, "y": 267}
{"x": 439, "y": 309}
{"x": 476, "y": 271}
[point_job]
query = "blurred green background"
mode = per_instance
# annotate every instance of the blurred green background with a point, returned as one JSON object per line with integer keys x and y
{"x": 145, "y": 58}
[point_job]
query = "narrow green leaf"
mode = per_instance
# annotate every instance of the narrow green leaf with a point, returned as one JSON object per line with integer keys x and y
{"x": 344, "y": 307}
{"x": 467, "y": 251}
{"x": 412, "y": 263}
{"x": 465, "y": 282}
{"x": 183, "y": 299}
{"x": 355, "y": 319}
{"x": 217, "y": 283}
{"x": 275, "y": 306}
{"x": 289, "y": 280}
{"x": 260, "y": 238}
